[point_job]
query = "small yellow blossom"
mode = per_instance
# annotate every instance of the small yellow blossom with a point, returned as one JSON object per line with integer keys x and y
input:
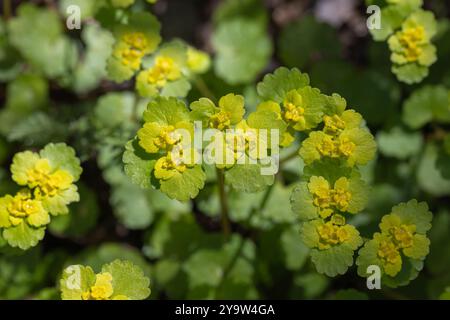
{"x": 403, "y": 235}
{"x": 411, "y": 40}
{"x": 327, "y": 147}
{"x": 166, "y": 167}
{"x": 136, "y": 40}
{"x": 331, "y": 234}
{"x": 294, "y": 111}
{"x": 390, "y": 257}
{"x": 22, "y": 207}
{"x": 166, "y": 138}
{"x": 326, "y": 198}
{"x": 220, "y": 120}
{"x": 46, "y": 182}
{"x": 102, "y": 289}
{"x": 333, "y": 124}
{"x": 165, "y": 69}
{"x": 131, "y": 57}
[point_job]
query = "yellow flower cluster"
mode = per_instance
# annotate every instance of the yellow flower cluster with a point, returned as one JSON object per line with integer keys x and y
{"x": 336, "y": 147}
{"x": 45, "y": 182}
{"x": 411, "y": 40}
{"x": 133, "y": 49}
{"x": 102, "y": 289}
{"x": 396, "y": 237}
{"x": 326, "y": 198}
{"x": 220, "y": 120}
{"x": 164, "y": 69}
{"x": 331, "y": 234}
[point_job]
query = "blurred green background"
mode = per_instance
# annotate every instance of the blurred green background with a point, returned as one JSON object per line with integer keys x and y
{"x": 59, "y": 93}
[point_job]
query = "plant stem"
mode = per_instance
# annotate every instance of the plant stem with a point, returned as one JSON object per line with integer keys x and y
{"x": 6, "y": 9}
{"x": 223, "y": 202}
{"x": 238, "y": 252}
{"x": 204, "y": 89}
{"x": 289, "y": 157}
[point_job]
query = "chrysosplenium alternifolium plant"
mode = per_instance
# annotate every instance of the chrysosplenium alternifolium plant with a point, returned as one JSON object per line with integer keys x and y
{"x": 336, "y": 144}
{"x": 409, "y": 31}
{"x": 118, "y": 280}
{"x": 47, "y": 180}
{"x": 164, "y": 70}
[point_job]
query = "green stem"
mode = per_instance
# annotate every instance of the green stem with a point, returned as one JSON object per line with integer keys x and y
{"x": 223, "y": 202}
{"x": 238, "y": 252}
{"x": 204, "y": 89}
{"x": 6, "y": 9}
{"x": 289, "y": 157}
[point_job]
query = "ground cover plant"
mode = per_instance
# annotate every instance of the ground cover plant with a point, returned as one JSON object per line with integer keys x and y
{"x": 235, "y": 149}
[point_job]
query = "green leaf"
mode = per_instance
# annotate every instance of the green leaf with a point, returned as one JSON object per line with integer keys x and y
{"x": 122, "y": 3}
{"x": 62, "y": 157}
{"x": 295, "y": 252}
{"x": 248, "y": 178}
{"x": 128, "y": 280}
{"x": 37, "y": 129}
{"x": 275, "y": 86}
{"x": 23, "y": 235}
{"x": 82, "y": 216}
{"x": 429, "y": 178}
{"x": 392, "y": 17}
{"x": 427, "y": 104}
{"x": 334, "y": 261}
{"x": 410, "y": 73}
{"x": 26, "y": 93}
{"x": 205, "y": 267}
{"x": 138, "y": 164}
{"x": 247, "y": 9}
{"x": 306, "y": 39}
{"x": 88, "y": 8}
{"x": 114, "y": 110}
{"x": 184, "y": 186}
{"x": 36, "y": 27}
{"x": 166, "y": 111}
{"x": 97, "y": 256}
{"x": 399, "y": 144}
{"x": 243, "y": 50}
{"x": 131, "y": 205}
{"x": 75, "y": 280}
{"x": 92, "y": 68}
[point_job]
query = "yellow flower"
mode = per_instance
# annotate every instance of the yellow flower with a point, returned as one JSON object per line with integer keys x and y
{"x": 345, "y": 147}
{"x": 166, "y": 138}
{"x": 165, "y": 69}
{"x": 389, "y": 256}
{"x": 338, "y": 219}
{"x": 197, "y": 61}
{"x": 402, "y": 234}
{"x": 294, "y": 111}
{"x": 220, "y": 120}
{"x": 45, "y": 182}
{"x": 22, "y": 207}
{"x": 341, "y": 195}
{"x": 102, "y": 289}
{"x": 333, "y": 124}
{"x": 327, "y": 147}
{"x": 136, "y": 40}
{"x": 131, "y": 57}
{"x": 330, "y": 234}
{"x": 411, "y": 39}
{"x": 166, "y": 167}
{"x": 327, "y": 198}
